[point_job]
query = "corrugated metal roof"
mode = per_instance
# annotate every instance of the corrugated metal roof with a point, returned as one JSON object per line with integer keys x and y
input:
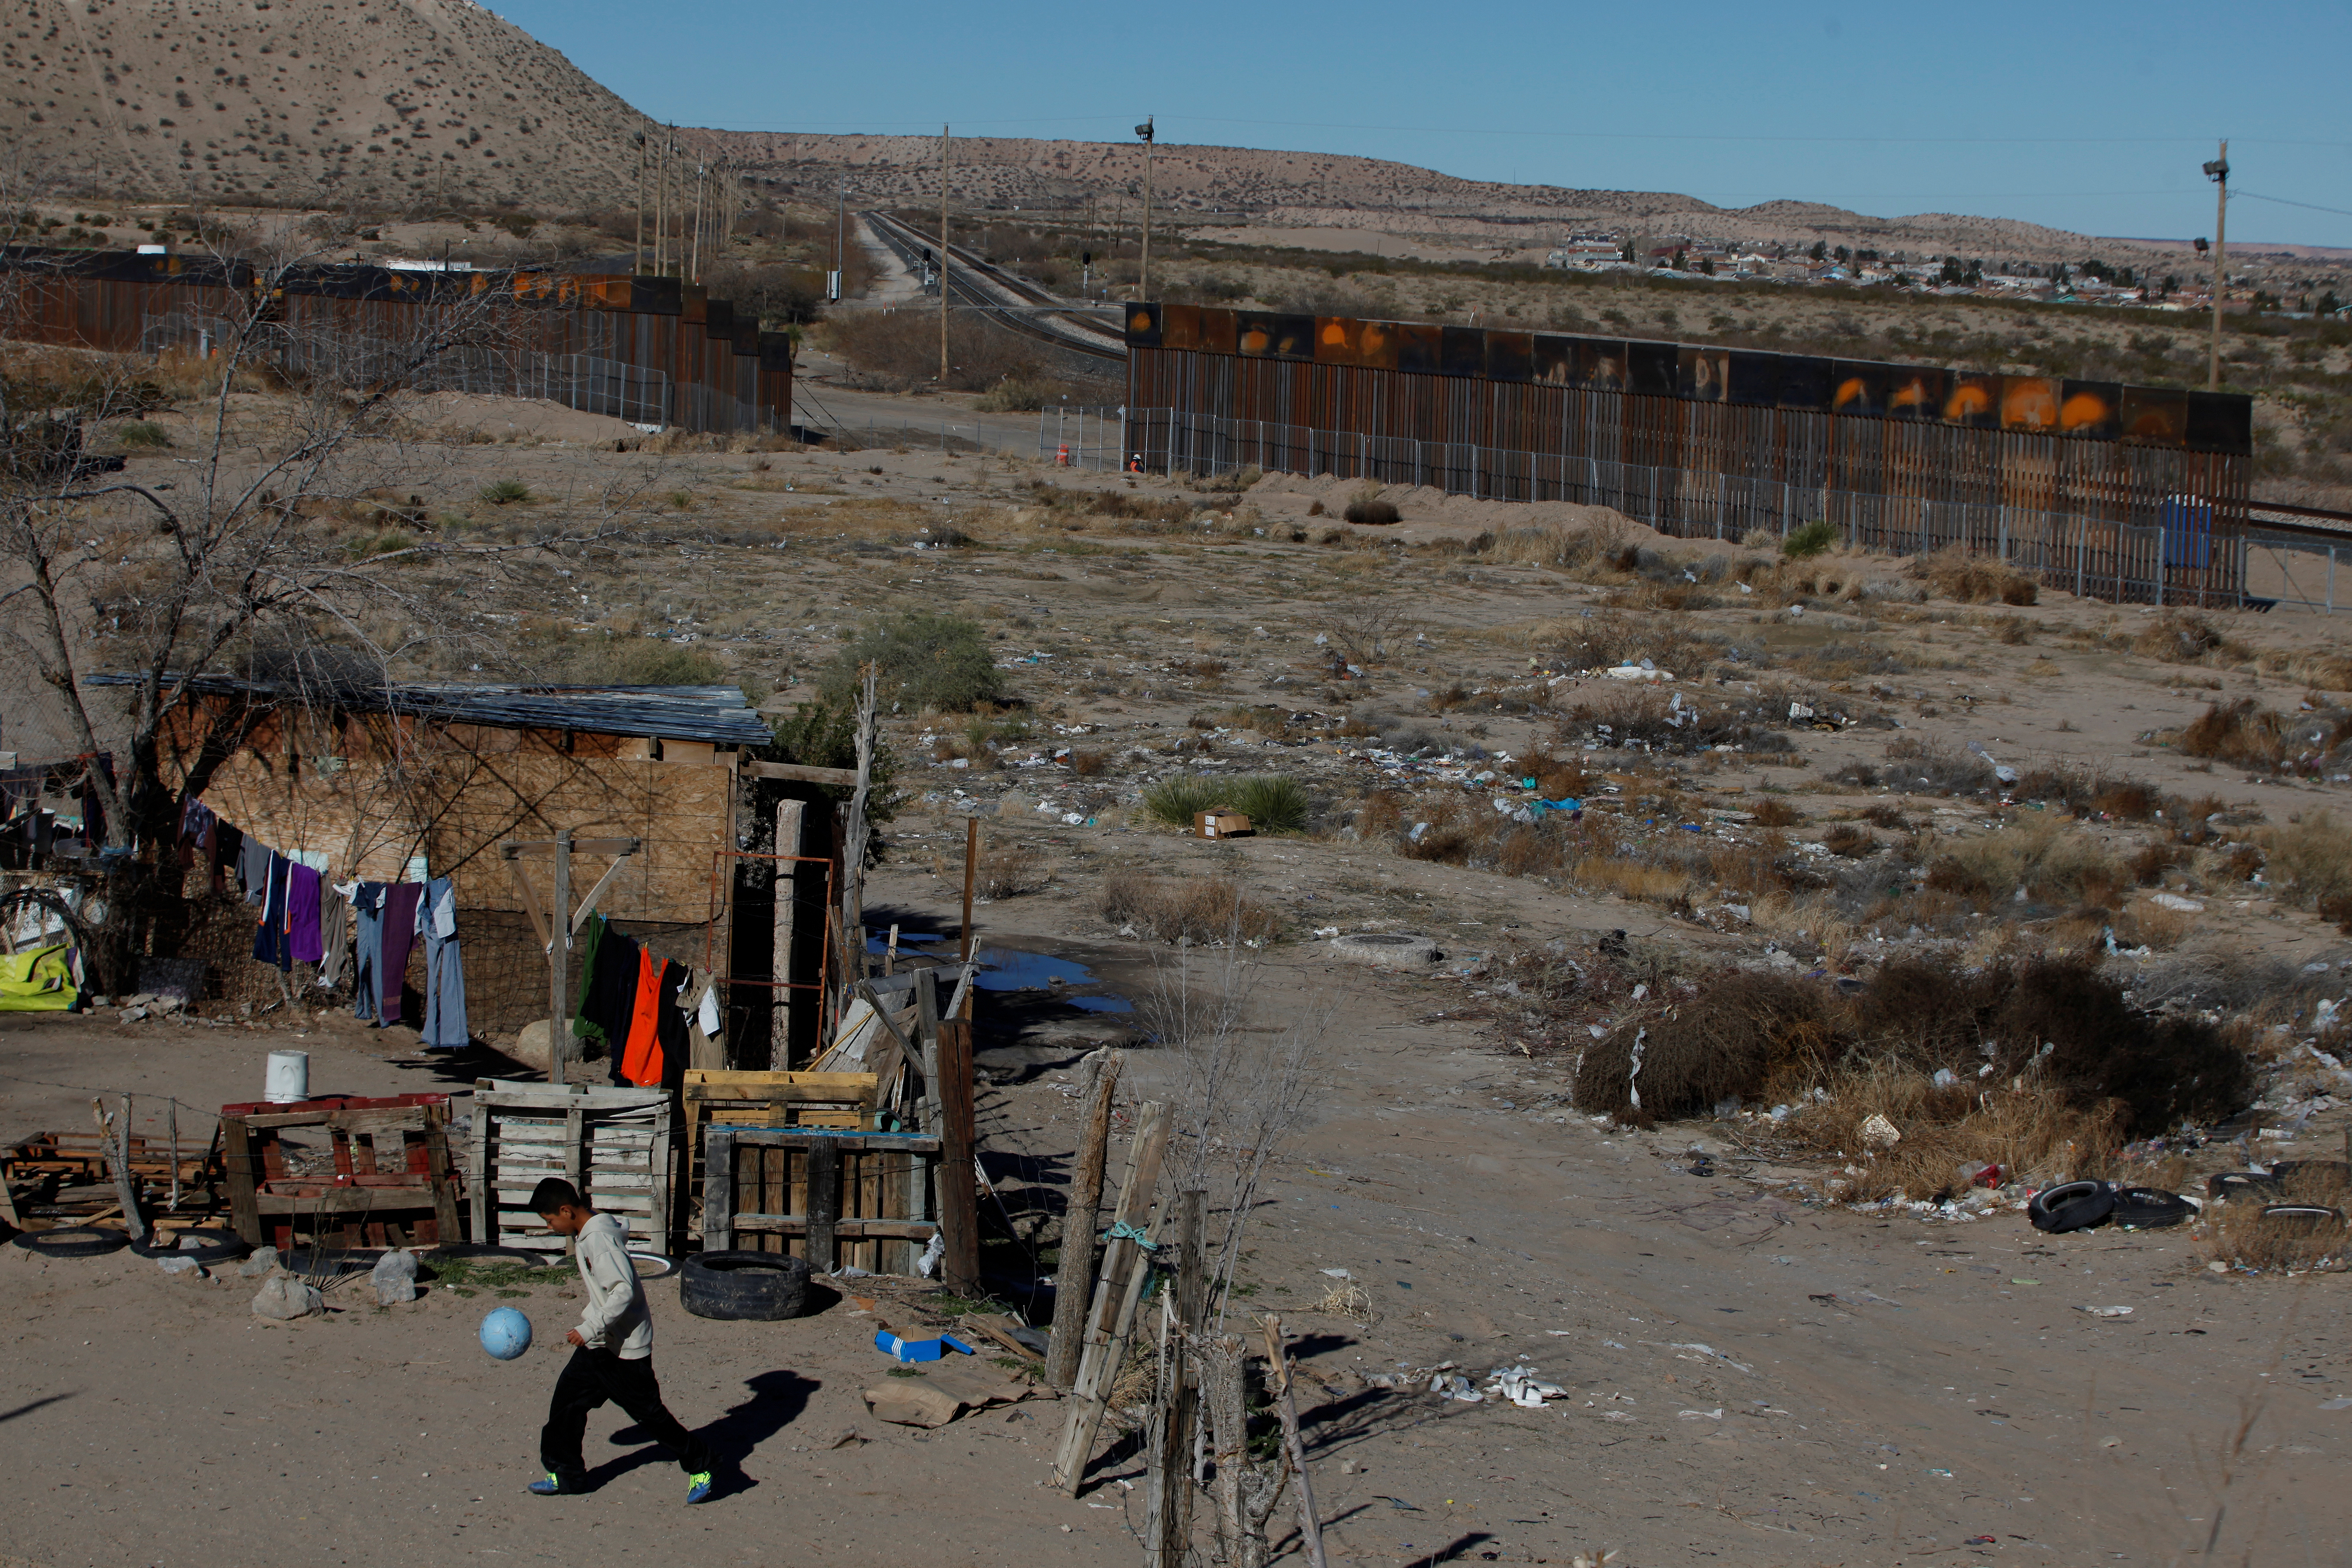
{"x": 715, "y": 713}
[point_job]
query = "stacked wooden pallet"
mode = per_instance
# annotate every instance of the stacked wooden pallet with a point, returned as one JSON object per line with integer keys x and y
{"x": 388, "y": 1184}
{"x": 612, "y": 1144}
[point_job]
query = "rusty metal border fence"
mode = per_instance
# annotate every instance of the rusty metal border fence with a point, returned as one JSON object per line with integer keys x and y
{"x": 2123, "y": 520}
{"x": 2105, "y": 558}
{"x": 649, "y": 349}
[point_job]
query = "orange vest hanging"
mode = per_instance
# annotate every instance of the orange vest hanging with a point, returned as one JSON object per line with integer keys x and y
{"x": 641, "y": 1057}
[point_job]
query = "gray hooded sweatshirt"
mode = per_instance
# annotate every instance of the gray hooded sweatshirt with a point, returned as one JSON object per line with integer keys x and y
{"x": 615, "y": 1318}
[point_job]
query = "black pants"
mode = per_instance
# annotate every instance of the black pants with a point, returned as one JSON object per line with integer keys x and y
{"x": 590, "y": 1378}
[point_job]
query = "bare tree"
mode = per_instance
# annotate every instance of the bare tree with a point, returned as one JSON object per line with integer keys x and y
{"x": 223, "y": 566}
{"x": 1239, "y": 1096}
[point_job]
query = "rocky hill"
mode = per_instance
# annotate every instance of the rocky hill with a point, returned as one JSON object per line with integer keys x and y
{"x": 1241, "y": 186}
{"x": 303, "y": 103}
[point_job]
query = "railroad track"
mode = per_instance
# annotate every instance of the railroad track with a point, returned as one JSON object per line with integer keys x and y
{"x": 1013, "y": 302}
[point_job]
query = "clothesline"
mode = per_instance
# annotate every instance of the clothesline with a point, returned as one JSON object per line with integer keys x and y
{"x": 307, "y": 918}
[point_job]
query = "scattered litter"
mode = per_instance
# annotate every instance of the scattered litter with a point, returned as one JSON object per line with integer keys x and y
{"x": 1714, "y": 1415}
{"x": 1707, "y": 1352}
{"x": 1523, "y": 1388}
{"x": 1338, "y": 1274}
{"x": 2106, "y": 1311}
{"x": 891, "y": 1345}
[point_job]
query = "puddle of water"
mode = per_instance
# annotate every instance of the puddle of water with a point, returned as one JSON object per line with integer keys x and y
{"x": 1011, "y": 969}
{"x": 880, "y": 944}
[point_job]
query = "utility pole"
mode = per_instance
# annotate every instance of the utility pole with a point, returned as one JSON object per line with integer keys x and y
{"x": 942, "y": 257}
{"x": 661, "y": 204}
{"x": 638, "y": 253}
{"x": 2217, "y": 171}
{"x": 701, "y": 218}
{"x": 1143, "y": 286}
{"x": 840, "y": 240}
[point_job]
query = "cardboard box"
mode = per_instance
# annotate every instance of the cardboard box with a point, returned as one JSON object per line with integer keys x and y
{"x": 1220, "y": 824}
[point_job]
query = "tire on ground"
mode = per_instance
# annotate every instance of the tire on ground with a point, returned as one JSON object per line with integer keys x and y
{"x": 2151, "y": 1208}
{"x": 486, "y": 1252}
{"x": 215, "y": 1244}
{"x": 2228, "y": 1185}
{"x": 72, "y": 1241}
{"x": 1383, "y": 950}
{"x": 2071, "y": 1205}
{"x": 2303, "y": 1220}
{"x": 750, "y": 1287}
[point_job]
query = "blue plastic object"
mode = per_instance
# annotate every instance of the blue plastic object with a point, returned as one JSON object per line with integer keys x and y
{"x": 506, "y": 1333}
{"x": 891, "y": 1345}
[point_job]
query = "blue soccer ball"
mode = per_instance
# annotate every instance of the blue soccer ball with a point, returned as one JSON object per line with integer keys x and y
{"x": 506, "y": 1333}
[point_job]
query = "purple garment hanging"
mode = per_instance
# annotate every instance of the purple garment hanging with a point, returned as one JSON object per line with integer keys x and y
{"x": 399, "y": 935}
{"x": 302, "y": 914}
{"x": 269, "y": 932}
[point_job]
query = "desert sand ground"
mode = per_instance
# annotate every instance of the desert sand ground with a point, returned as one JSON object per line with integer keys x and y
{"x": 1772, "y": 1363}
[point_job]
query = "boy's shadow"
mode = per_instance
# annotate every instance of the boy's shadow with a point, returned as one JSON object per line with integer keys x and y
{"x": 775, "y": 1400}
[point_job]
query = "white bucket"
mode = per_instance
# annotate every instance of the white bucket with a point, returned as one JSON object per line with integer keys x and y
{"x": 289, "y": 1078}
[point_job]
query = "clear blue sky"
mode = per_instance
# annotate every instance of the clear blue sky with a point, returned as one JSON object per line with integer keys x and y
{"x": 2085, "y": 117}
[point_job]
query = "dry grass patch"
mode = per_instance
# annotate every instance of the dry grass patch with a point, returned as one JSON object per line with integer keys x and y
{"x": 1185, "y": 909}
{"x": 1955, "y": 573}
{"x": 1008, "y": 870}
{"x": 2038, "y": 1066}
{"x": 2046, "y": 855}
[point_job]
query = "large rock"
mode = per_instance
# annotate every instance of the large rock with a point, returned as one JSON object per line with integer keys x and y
{"x": 530, "y": 1046}
{"x": 394, "y": 1277}
{"x": 284, "y": 1298}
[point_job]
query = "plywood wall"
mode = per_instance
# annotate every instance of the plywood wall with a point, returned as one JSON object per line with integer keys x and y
{"x": 455, "y": 807}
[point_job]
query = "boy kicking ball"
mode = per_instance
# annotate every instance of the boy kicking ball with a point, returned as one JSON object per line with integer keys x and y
{"x": 613, "y": 1351}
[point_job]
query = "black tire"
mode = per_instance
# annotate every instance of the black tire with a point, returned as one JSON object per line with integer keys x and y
{"x": 663, "y": 1268}
{"x": 485, "y": 1252}
{"x": 2303, "y": 1220}
{"x": 72, "y": 1241}
{"x": 744, "y": 1286}
{"x": 2151, "y": 1208}
{"x": 2071, "y": 1205}
{"x": 2252, "y": 1185}
{"x": 219, "y": 1246}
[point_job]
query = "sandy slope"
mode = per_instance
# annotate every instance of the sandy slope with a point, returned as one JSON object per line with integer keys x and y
{"x": 312, "y": 102}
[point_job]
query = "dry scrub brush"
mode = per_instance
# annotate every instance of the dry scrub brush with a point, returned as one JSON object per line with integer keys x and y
{"x": 2246, "y": 734}
{"x": 1186, "y": 910}
{"x": 1957, "y": 573}
{"x": 2016, "y": 1062}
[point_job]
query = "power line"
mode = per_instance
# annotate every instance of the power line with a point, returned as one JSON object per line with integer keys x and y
{"x": 2307, "y": 206}
{"x": 831, "y": 126}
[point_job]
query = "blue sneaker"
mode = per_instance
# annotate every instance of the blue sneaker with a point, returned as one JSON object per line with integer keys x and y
{"x": 697, "y": 1487}
{"x": 551, "y": 1487}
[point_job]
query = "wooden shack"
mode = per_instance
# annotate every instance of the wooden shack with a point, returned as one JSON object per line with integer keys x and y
{"x": 413, "y": 782}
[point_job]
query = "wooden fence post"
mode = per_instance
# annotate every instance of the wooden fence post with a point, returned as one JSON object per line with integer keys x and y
{"x": 1112, "y": 1318}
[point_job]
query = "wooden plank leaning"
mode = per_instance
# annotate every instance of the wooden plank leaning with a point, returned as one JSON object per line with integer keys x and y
{"x": 1074, "y": 1277}
{"x": 1112, "y": 1316}
{"x": 1285, "y": 1402}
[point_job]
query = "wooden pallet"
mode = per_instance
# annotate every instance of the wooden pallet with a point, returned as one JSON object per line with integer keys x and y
{"x": 612, "y": 1144}
{"x": 846, "y": 1102}
{"x": 392, "y": 1184}
{"x": 77, "y": 1157}
{"x": 863, "y": 1198}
